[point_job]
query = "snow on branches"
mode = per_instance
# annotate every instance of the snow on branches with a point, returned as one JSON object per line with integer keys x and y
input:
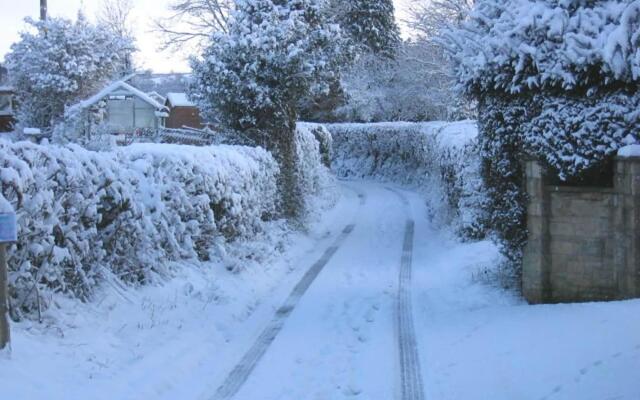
{"x": 555, "y": 79}
{"x": 518, "y": 45}
{"x": 60, "y": 61}
{"x": 275, "y": 53}
{"x": 370, "y": 24}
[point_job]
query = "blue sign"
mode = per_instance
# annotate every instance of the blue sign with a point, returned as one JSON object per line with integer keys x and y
{"x": 8, "y": 228}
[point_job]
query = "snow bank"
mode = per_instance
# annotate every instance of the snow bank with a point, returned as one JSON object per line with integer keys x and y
{"x": 88, "y": 216}
{"x": 439, "y": 157}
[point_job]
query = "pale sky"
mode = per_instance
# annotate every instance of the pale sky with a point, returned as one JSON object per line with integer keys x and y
{"x": 149, "y": 57}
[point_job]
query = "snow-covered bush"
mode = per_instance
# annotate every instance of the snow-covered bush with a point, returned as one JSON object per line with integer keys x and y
{"x": 554, "y": 79}
{"x": 59, "y": 61}
{"x": 576, "y": 64}
{"x": 315, "y": 181}
{"x": 514, "y": 46}
{"x": 324, "y": 138}
{"x": 86, "y": 216}
{"x": 438, "y": 157}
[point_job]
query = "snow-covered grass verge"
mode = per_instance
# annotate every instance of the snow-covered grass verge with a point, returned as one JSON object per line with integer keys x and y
{"x": 131, "y": 215}
{"x": 479, "y": 341}
{"x": 440, "y": 159}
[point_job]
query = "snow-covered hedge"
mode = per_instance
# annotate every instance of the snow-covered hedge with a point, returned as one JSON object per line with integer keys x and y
{"x": 517, "y": 45}
{"x": 84, "y": 216}
{"x": 314, "y": 178}
{"x": 439, "y": 157}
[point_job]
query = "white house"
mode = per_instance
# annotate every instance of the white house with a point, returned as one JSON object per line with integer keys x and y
{"x": 121, "y": 109}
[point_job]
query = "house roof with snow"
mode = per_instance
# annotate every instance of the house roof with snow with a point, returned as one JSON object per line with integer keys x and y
{"x": 179, "y": 100}
{"x": 157, "y": 97}
{"x": 114, "y": 86}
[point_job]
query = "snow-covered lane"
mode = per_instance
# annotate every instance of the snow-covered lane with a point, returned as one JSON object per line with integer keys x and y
{"x": 340, "y": 341}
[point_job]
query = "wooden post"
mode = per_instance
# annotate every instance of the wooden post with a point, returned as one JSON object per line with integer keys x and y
{"x": 5, "y": 336}
{"x": 43, "y": 10}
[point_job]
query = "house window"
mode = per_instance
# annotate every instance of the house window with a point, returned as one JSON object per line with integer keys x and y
{"x": 6, "y": 106}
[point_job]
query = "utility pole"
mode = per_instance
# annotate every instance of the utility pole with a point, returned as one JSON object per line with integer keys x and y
{"x": 43, "y": 10}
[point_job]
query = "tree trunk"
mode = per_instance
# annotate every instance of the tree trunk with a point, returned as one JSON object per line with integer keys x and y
{"x": 289, "y": 181}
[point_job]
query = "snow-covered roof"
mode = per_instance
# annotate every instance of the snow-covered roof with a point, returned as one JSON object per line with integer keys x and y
{"x": 6, "y": 89}
{"x": 158, "y": 97}
{"x": 112, "y": 88}
{"x": 179, "y": 100}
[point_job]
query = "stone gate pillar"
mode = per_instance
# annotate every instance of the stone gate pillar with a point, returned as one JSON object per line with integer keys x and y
{"x": 627, "y": 226}
{"x": 536, "y": 271}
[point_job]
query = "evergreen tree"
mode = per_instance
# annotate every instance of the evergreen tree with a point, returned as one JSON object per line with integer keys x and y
{"x": 276, "y": 53}
{"x": 556, "y": 80}
{"x": 370, "y": 24}
{"x": 60, "y": 62}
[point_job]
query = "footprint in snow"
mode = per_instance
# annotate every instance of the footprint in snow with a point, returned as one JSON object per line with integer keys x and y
{"x": 352, "y": 390}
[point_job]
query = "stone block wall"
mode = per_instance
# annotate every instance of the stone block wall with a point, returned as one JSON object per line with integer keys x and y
{"x": 584, "y": 242}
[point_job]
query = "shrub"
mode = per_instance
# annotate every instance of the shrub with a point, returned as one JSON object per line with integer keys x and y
{"x": 84, "y": 216}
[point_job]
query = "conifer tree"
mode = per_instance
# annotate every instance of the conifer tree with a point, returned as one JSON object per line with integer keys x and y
{"x": 370, "y": 24}
{"x": 252, "y": 78}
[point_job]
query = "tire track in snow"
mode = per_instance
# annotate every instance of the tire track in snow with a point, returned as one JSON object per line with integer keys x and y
{"x": 241, "y": 372}
{"x": 410, "y": 371}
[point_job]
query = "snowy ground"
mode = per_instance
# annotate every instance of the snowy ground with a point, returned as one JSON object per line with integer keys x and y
{"x": 340, "y": 341}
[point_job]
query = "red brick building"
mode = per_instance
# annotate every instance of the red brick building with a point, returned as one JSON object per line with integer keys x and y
{"x": 182, "y": 112}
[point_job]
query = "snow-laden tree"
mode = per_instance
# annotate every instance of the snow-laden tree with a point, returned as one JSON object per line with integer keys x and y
{"x": 252, "y": 78}
{"x": 60, "y": 61}
{"x": 555, "y": 79}
{"x": 429, "y": 18}
{"x": 415, "y": 86}
{"x": 370, "y": 24}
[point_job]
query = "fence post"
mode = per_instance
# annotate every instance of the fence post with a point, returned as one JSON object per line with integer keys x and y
{"x": 5, "y": 336}
{"x": 8, "y": 234}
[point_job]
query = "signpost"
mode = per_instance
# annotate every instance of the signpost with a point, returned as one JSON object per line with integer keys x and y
{"x": 8, "y": 234}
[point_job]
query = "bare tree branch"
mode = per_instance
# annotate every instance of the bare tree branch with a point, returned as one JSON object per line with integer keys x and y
{"x": 193, "y": 21}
